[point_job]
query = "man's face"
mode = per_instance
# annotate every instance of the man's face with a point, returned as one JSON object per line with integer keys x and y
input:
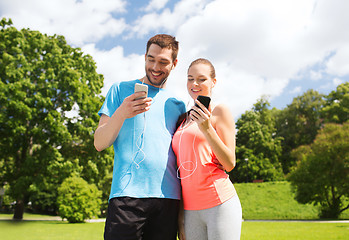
{"x": 158, "y": 65}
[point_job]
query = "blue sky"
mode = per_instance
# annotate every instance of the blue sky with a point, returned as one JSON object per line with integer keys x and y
{"x": 279, "y": 48}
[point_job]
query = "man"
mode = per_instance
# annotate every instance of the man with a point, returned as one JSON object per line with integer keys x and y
{"x": 145, "y": 191}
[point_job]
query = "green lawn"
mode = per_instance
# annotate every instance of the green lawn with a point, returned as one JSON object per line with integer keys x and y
{"x": 274, "y": 200}
{"x": 294, "y": 231}
{"x": 259, "y": 201}
{"x": 58, "y": 230}
{"x": 50, "y": 230}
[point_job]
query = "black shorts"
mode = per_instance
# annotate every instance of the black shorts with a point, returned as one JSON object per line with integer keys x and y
{"x": 141, "y": 219}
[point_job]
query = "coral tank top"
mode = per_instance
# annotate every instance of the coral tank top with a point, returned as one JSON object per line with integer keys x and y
{"x": 204, "y": 185}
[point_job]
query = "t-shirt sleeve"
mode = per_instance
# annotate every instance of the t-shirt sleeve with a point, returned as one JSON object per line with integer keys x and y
{"x": 111, "y": 102}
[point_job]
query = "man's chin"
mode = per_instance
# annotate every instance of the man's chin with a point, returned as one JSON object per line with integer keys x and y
{"x": 156, "y": 83}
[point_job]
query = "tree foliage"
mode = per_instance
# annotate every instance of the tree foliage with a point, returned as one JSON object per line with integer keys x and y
{"x": 298, "y": 124}
{"x": 336, "y": 108}
{"x": 78, "y": 200}
{"x": 257, "y": 148}
{"x": 49, "y": 99}
{"x": 322, "y": 174}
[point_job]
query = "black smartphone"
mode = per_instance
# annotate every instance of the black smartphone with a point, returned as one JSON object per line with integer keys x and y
{"x": 204, "y": 100}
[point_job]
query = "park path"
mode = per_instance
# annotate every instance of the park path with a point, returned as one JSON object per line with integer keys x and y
{"x": 313, "y": 221}
{"x": 57, "y": 218}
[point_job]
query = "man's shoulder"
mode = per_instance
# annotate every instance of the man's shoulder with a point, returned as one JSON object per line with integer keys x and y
{"x": 176, "y": 102}
{"x": 127, "y": 83}
{"x": 123, "y": 84}
{"x": 173, "y": 96}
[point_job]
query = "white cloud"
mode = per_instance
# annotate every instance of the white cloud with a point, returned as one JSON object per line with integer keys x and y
{"x": 167, "y": 20}
{"x": 296, "y": 90}
{"x": 270, "y": 41}
{"x": 155, "y": 5}
{"x": 315, "y": 75}
{"x": 79, "y": 21}
{"x": 114, "y": 66}
{"x": 337, "y": 81}
{"x": 339, "y": 63}
{"x": 257, "y": 46}
{"x": 254, "y": 45}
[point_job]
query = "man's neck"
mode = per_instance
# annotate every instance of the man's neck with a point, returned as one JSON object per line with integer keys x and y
{"x": 146, "y": 80}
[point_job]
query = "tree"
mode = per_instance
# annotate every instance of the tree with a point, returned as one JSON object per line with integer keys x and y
{"x": 78, "y": 200}
{"x": 49, "y": 99}
{"x": 257, "y": 148}
{"x": 298, "y": 125}
{"x": 336, "y": 108}
{"x": 322, "y": 174}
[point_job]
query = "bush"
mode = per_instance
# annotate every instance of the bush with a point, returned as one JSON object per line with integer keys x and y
{"x": 77, "y": 200}
{"x": 321, "y": 176}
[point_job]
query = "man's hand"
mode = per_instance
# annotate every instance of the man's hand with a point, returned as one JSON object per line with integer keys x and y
{"x": 130, "y": 107}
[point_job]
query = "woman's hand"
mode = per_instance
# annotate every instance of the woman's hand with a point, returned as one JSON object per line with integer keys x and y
{"x": 201, "y": 115}
{"x": 219, "y": 130}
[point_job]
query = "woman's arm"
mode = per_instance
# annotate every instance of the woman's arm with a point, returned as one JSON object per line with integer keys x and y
{"x": 219, "y": 131}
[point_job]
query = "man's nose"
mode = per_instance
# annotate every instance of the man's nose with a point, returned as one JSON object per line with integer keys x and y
{"x": 156, "y": 66}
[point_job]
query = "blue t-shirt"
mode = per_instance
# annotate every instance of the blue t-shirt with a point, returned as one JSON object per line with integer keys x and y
{"x": 144, "y": 162}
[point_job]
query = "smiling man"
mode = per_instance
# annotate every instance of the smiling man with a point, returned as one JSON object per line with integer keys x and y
{"x": 145, "y": 190}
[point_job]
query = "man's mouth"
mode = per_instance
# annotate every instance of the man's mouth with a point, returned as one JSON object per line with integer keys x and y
{"x": 155, "y": 74}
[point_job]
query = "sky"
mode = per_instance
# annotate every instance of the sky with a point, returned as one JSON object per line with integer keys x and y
{"x": 274, "y": 48}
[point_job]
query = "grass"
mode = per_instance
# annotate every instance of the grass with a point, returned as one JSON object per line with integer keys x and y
{"x": 294, "y": 231}
{"x": 59, "y": 230}
{"x": 53, "y": 230}
{"x": 274, "y": 200}
{"x": 259, "y": 201}
{"x": 30, "y": 216}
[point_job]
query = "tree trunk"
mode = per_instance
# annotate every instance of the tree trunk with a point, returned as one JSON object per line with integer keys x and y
{"x": 19, "y": 209}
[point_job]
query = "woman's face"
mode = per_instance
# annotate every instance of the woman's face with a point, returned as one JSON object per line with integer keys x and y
{"x": 199, "y": 80}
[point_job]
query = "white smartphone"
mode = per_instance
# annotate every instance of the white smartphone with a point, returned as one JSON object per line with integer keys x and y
{"x": 141, "y": 88}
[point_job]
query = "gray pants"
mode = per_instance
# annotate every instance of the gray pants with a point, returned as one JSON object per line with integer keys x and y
{"x": 222, "y": 222}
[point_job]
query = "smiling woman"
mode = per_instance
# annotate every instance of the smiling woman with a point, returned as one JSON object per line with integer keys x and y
{"x": 204, "y": 144}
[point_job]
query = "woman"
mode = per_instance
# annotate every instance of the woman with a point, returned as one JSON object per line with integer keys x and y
{"x": 204, "y": 144}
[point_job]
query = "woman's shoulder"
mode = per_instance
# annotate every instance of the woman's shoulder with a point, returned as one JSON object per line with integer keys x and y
{"x": 222, "y": 114}
{"x": 221, "y": 110}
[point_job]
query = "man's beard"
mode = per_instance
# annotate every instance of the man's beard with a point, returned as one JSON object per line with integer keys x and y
{"x": 157, "y": 84}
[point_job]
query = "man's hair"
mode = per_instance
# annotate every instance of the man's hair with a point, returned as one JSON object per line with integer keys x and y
{"x": 165, "y": 41}
{"x": 207, "y": 62}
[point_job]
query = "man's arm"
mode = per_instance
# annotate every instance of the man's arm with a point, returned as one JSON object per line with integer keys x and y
{"x": 109, "y": 127}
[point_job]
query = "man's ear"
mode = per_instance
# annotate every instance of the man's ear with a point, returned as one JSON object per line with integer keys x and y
{"x": 174, "y": 64}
